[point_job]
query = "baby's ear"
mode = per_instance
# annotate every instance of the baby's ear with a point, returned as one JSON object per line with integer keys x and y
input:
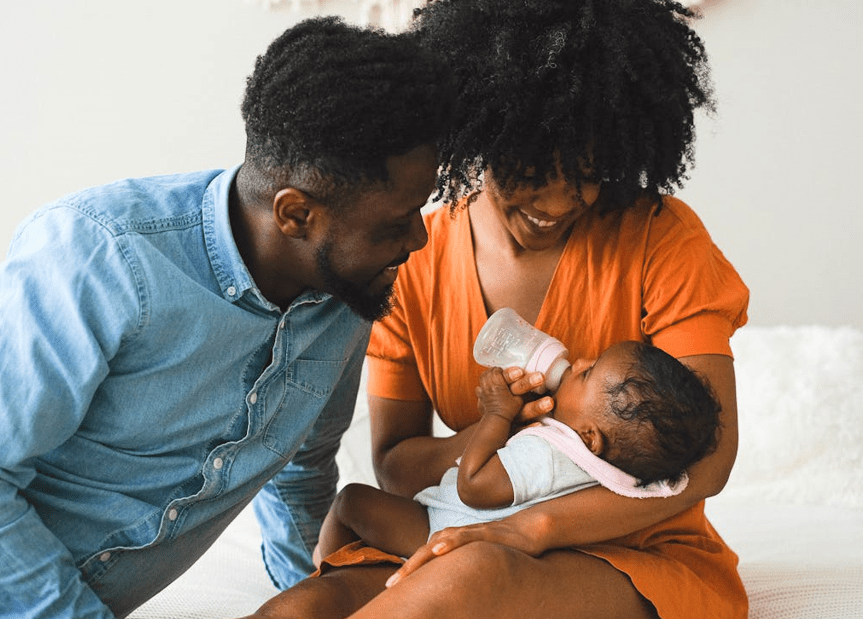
{"x": 593, "y": 438}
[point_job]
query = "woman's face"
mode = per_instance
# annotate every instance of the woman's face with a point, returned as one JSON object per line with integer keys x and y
{"x": 540, "y": 218}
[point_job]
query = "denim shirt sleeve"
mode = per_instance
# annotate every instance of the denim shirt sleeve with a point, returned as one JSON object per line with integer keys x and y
{"x": 68, "y": 300}
{"x": 291, "y": 507}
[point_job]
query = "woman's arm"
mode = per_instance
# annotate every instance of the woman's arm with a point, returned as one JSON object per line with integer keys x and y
{"x": 406, "y": 457}
{"x": 596, "y": 514}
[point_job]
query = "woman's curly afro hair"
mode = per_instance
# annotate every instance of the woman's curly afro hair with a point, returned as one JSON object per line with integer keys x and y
{"x": 328, "y": 103}
{"x": 604, "y": 89}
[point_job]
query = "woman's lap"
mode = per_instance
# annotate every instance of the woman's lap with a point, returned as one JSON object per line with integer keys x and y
{"x": 483, "y": 580}
{"x": 477, "y": 581}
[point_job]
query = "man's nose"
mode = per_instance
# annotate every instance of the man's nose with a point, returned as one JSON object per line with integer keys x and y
{"x": 418, "y": 234}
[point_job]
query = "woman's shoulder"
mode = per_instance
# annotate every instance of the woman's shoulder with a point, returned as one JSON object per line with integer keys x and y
{"x": 680, "y": 211}
{"x": 649, "y": 222}
{"x": 668, "y": 208}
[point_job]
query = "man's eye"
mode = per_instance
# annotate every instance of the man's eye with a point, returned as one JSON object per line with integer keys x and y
{"x": 392, "y": 232}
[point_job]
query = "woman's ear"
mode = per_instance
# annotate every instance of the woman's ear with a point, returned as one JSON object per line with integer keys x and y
{"x": 593, "y": 438}
{"x": 294, "y": 212}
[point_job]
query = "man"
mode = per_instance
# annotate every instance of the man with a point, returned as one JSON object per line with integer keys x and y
{"x": 174, "y": 346}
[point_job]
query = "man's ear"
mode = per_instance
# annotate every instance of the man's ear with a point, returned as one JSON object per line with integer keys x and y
{"x": 593, "y": 438}
{"x": 295, "y": 212}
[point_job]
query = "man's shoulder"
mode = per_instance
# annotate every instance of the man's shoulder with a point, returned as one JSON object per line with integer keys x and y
{"x": 143, "y": 203}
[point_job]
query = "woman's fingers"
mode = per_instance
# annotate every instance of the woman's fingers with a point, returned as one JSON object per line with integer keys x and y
{"x": 422, "y": 556}
{"x": 447, "y": 540}
{"x": 533, "y": 410}
{"x": 439, "y": 544}
{"x": 521, "y": 383}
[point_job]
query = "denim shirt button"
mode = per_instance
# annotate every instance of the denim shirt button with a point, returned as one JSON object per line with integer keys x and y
{"x": 231, "y": 291}
{"x": 253, "y": 397}
{"x": 104, "y": 556}
{"x": 172, "y": 515}
{"x": 217, "y": 463}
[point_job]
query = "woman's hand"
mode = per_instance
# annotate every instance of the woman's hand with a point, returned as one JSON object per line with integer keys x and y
{"x": 505, "y": 532}
{"x": 523, "y": 385}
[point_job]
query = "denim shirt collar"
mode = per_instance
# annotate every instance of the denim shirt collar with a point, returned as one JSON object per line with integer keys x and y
{"x": 231, "y": 272}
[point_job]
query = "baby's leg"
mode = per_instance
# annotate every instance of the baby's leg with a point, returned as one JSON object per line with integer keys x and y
{"x": 391, "y": 523}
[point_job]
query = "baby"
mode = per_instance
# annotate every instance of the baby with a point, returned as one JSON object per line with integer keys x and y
{"x": 633, "y": 421}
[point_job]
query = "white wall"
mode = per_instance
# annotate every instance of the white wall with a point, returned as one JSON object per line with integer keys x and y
{"x": 95, "y": 90}
{"x": 778, "y": 174}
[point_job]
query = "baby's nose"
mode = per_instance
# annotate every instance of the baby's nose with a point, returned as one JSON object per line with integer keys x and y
{"x": 580, "y": 365}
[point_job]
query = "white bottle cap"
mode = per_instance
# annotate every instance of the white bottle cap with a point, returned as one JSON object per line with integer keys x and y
{"x": 547, "y": 359}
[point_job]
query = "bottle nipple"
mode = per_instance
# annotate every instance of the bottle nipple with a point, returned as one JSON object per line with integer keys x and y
{"x": 555, "y": 372}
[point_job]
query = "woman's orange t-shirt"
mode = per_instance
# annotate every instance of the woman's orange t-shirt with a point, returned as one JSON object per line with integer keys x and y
{"x": 644, "y": 274}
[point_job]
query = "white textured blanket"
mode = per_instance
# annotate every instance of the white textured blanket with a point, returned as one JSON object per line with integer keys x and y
{"x": 800, "y": 401}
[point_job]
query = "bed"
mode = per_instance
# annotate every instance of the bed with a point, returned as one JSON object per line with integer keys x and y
{"x": 793, "y": 508}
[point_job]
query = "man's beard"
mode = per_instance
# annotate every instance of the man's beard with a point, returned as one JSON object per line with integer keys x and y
{"x": 368, "y": 306}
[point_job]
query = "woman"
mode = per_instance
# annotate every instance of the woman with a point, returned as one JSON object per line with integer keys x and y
{"x": 573, "y": 125}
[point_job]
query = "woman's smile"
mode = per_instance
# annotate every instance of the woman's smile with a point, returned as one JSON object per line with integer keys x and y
{"x": 540, "y": 223}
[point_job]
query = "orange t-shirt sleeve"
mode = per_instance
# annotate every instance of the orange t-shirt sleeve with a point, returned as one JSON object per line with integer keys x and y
{"x": 694, "y": 299}
{"x": 391, "y": 356}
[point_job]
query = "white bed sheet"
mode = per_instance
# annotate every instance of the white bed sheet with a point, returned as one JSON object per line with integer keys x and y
{"x": 793, "y": 509}
{"x": 796, "y": 561}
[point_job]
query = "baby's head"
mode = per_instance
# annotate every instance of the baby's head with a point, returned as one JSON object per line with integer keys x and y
{"x": 640, "y": 409}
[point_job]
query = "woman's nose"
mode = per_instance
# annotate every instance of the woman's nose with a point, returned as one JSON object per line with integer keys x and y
{"x": 557, "y": 199}
{"x": 553, "y": 206}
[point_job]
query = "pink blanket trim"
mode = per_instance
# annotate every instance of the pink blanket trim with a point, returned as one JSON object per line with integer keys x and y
{"x": 568, "y": 441}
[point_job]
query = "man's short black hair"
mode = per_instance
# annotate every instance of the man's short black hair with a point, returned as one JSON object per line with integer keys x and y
{"x": 328, "y": 103}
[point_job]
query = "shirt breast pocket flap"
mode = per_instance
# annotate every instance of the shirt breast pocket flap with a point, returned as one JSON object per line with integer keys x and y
{"x": 308, "y": 386}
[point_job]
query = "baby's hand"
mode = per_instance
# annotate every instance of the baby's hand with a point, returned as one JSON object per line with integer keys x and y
{"x": 494, "y": 396}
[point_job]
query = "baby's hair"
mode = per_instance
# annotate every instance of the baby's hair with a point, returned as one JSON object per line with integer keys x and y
{"x": 606, "y": 89}
{"x": 328, "y": 103}
{"x": 667, "y": 418}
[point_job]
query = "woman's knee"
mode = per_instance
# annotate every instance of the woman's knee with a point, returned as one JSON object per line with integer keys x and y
{"x": 484, "y": 565}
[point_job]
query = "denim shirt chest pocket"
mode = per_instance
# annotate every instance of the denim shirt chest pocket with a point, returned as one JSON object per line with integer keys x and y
{"x": 308, "y": 385}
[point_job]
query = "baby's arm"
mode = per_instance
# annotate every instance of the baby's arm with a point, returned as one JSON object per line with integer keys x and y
{"x": 392, "y": 523}
{"x": 482, "y": 480}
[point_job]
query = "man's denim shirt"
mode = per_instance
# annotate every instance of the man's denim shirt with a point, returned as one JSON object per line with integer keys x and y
{"x": 149, "y": 391}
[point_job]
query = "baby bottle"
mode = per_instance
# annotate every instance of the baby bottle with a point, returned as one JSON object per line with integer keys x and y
{"x": 507, "y": 340}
